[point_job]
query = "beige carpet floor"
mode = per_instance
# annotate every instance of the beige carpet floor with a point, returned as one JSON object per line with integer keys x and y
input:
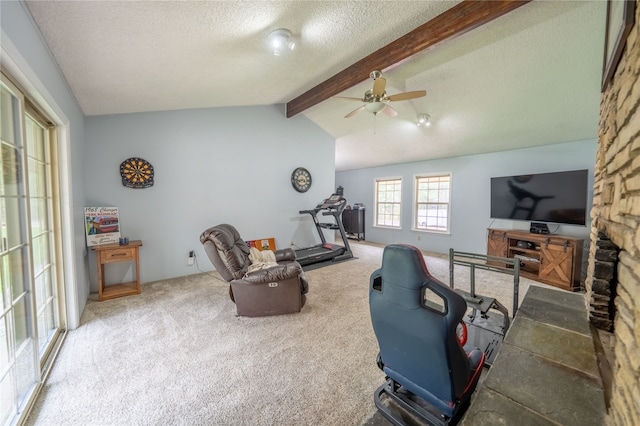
{"x": 177, "y": 354}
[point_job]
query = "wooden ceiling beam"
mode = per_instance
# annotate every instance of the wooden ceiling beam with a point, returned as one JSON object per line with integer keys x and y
{"x": 456, "y": 21}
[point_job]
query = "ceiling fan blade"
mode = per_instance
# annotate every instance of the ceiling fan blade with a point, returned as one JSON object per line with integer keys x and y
{"x": 407, "y": 95}
{"x": 378, "y": 86}
{"x": 390, "y": 111}
{"x": 354, "y": 112}
{"x": 349, "y": 98}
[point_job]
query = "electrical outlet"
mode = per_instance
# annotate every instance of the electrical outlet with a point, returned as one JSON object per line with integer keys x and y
{"x": 293, "y": 243}
{"x": 191, "y": 258}
{"x": 419, "y": 237}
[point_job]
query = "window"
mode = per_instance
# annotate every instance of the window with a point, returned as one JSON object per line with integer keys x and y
{"x": 30, "y": 314}
{"x": 388, "y": 198}
{"x": 433, "y": 196}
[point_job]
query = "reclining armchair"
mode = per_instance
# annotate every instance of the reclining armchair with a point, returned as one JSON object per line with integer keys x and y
{"x": 274, "y": 290}
{"x": 415, "y": 318}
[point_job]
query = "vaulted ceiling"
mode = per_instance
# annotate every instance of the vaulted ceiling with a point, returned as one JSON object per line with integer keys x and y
{"x": 530, "y": 77}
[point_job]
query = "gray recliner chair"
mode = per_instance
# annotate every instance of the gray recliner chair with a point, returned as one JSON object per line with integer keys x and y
{"x": 275, "y": 290}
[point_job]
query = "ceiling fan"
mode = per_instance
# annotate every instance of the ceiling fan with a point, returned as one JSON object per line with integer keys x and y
{"x": 376, "y": 99}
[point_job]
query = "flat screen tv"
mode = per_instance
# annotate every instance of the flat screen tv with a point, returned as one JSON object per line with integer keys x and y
{"x": 559, "y": 197}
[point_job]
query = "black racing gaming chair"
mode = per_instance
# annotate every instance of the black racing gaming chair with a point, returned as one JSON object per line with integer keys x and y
{"x": 415, "y": 318}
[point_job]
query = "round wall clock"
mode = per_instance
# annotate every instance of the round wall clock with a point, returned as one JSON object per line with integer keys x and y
{"x": 136, "y": 173}
{"x": 301, "y": 179}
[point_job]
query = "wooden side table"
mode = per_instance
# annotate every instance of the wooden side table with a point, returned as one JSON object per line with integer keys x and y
{"x": 113, "y": 253}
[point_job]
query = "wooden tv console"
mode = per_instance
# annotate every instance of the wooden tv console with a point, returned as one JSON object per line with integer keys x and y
{"x": 551, "y": 259}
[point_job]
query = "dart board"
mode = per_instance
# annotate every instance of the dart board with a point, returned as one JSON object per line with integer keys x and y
{"x": 136, "y": 173}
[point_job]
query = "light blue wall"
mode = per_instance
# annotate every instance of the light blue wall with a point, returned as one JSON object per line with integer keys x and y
{"x": 212, "y": 166}
{"x": 233, "y": 165}
{"x": 470, "y": 193}
{"x": 27, "y": 58}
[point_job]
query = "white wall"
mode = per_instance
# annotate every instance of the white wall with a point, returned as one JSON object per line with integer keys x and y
{"x": 470, "y": 203}
{"x": 212, "y": 166}
{"x": 28, "y": 59}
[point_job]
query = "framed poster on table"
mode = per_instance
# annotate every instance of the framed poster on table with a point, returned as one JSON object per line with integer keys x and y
{"x": 102, "y": 225}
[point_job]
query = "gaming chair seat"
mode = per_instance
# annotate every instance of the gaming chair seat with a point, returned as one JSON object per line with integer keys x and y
{"x": 415, "y": 318}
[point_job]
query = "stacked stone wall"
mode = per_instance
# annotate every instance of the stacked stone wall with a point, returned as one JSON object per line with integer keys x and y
{"x": 603, "y": 282}
{"x": 616, "y": 212}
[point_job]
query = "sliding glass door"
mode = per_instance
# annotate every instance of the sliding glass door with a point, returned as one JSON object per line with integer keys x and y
{"x": 30, "y": 302}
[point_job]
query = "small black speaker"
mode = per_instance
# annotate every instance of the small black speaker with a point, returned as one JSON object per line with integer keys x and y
{"x": 539, "y": 228}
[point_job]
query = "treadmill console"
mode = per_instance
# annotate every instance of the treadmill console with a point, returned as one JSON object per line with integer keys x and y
{"x": 332, "y": 202}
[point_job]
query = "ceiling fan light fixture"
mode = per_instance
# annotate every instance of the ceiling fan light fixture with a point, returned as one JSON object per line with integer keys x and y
{"x": 280, "y": 40}
{"x": 424, "y": 120}
{"x": 374, "y": 107}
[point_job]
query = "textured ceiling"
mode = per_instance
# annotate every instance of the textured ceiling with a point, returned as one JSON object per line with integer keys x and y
{"x": 531, "y": 77}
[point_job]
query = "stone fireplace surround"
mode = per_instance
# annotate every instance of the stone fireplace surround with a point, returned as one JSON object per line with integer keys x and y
{"x": 615, "y": 215}
{"x": 604, "y": 283}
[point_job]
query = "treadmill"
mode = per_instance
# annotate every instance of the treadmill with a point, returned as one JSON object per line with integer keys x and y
{"x": 326, "y": 252}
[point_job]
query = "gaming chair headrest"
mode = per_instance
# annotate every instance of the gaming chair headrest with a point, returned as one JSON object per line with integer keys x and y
{"x": 403, "y": 266}
{"x": 404, "y": 273}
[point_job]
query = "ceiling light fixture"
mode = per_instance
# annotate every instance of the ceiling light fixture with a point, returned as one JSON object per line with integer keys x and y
{"x": 374, "y": 107}
{"x": 424, "y": 120}
{"x": 279, "y": 40}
